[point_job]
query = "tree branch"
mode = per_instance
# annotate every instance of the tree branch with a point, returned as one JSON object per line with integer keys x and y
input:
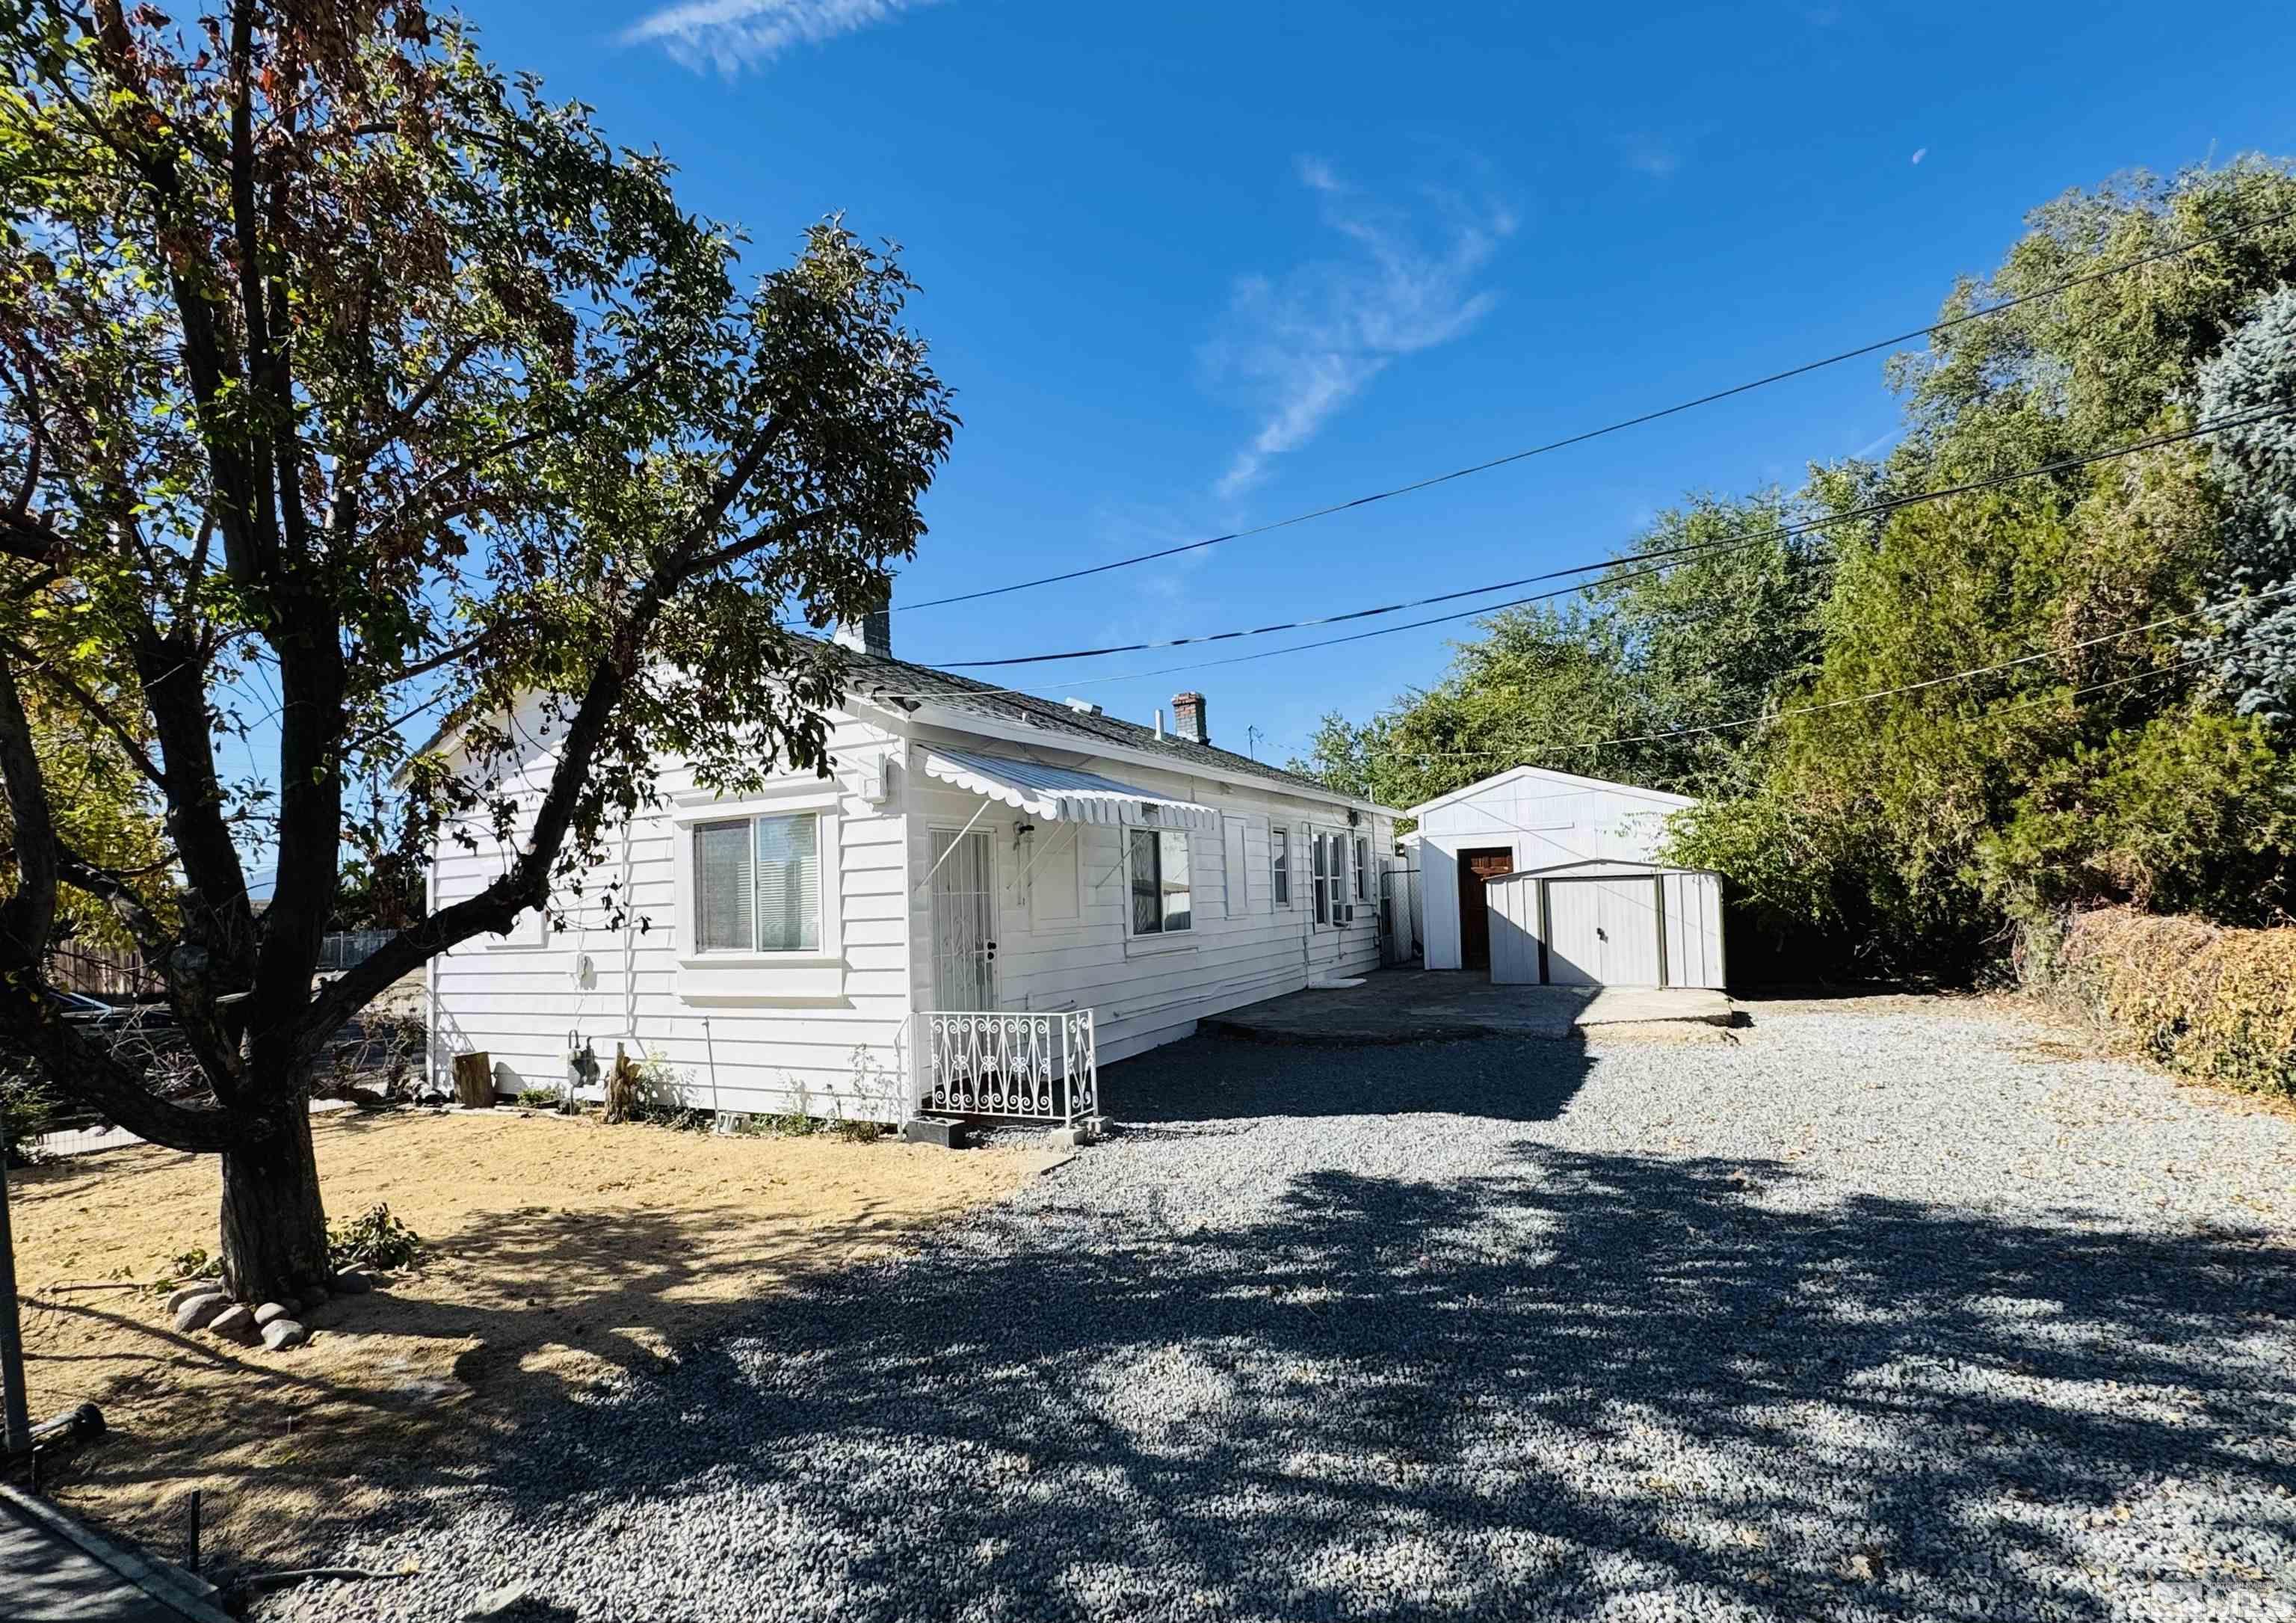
{"x": 97, "y": 711}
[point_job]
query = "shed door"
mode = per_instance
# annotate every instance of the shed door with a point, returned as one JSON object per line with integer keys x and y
{"x": 1605, "y": 933}
{"x": 1514, "y": 931}
{"x": 1476, "y": 866}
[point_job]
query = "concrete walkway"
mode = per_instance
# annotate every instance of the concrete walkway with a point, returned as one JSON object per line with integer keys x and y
{"x": 53, "y": 1570}
{"x": 1448, "y": 1006}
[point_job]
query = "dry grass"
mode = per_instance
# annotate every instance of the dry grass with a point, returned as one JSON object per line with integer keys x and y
{"x": 561, "y": 1251}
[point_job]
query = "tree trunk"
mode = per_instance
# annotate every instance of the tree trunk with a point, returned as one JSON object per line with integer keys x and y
{"x": 275, "y": 1231}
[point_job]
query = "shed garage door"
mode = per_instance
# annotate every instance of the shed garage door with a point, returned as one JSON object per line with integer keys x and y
{"x": 1603, "y": 933}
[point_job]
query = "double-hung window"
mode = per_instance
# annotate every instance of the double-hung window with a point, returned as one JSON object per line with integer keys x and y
{"x": 1161, "y": 902}
{"x": 1279, "y": 864}
{"x": 757, "y": 884}
{"x": 1321, "y": 875}
{"x": 1363, "y": 868}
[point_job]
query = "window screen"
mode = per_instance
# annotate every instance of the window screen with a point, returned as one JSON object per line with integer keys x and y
{"x": 722, "y": 895}
{"x": 1161, "y": 902}
{"x": 757, "y": 884}
{"x": 789, "y": 884}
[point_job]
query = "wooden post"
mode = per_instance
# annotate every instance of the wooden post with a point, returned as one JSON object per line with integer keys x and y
{"x": 474, "y": 1080}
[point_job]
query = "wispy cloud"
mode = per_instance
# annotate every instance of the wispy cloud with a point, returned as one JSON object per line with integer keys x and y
{"x": 731, "y": 34}
{"x": 1301, "y": 345}
{"x": 1650, "y": 155}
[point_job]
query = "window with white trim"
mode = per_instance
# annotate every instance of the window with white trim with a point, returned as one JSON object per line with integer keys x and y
{"x": 1279, "y": 865}
{"x": 1320, "y": 854}
{"x": 757, "y": 884}
{"x": 1162, "y": 904}
{"x": 1363, "y": 868}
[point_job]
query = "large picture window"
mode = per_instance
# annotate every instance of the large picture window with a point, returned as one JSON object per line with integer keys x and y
{"x": 757, "y": 884}
{"x": 1161, "y": 902}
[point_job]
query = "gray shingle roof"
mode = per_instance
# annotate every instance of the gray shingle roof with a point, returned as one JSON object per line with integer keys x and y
{"x": 880, "y": 677}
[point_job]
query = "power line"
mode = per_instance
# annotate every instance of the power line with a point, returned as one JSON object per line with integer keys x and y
{"x": 2156, "y": 257}
{"x": 1651, "y": 563}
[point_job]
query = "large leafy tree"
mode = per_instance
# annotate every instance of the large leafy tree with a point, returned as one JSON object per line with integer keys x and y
{"x": 2102, "y": 765}
{"x": 1705, "y": 615}
{"x": 2105, "y": 762}
{"x": 336, "y": 368}
{"x": 2251, "y": 617}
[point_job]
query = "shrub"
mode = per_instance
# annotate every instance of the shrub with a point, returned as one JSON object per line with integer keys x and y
{"x": 26, "y": 1110}
{"x": 374, "y": 1238}
{"x": 539, "y": 1099}
{"x": 2198, "y": 998}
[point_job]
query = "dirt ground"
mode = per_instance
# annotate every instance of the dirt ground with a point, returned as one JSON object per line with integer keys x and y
{"x": 560, "y": 1249}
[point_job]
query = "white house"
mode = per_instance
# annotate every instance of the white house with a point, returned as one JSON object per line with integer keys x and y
{"x": 1539, "y": 876}
{"x": 991, "y": 895}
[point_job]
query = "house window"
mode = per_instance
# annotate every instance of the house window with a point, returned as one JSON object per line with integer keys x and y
{"x": 1279, "y": 864}
{"x": 1363, "y": 869}
{"x": 1321, "y": 857}
{"x": 757, "y": 884}
{"x": 1160, "y": 882}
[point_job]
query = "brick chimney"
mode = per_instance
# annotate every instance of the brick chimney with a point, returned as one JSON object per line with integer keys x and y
{"x": 872, "y": 633}
{"x": 1188, "y": 718}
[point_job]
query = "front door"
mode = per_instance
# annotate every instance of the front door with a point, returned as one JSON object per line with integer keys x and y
{"x": 964, "y": 921}
{"x": 1474, "y": 908}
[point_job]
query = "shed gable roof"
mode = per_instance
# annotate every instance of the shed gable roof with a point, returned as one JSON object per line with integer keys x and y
{"x": 1549, "y": 775}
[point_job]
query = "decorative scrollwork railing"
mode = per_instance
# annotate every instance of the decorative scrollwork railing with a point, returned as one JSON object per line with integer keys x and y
{"x": 1033, "y": 1067}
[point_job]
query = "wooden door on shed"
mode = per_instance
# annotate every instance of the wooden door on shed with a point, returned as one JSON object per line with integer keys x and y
{"x": 1475, "y": 867}
{"x": 1603, "y": 933}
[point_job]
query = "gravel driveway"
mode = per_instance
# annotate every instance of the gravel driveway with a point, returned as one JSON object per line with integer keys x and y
{"x": 1880, "y": 1310}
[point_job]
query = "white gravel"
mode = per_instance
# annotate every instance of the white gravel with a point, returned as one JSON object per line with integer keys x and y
{"x": 1882, "y": 1310}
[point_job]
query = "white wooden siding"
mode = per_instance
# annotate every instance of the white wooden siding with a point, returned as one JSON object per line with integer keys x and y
{"x": 844, "y": 1053}
{"x": 1145, "y": 990}
{"x": 1061, "y": 910}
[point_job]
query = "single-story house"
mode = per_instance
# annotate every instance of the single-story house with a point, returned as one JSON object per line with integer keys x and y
{"x": 990, "y": 895}
{"x": 1539, "y": 876}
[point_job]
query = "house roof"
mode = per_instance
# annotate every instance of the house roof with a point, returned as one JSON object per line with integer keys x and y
{"x": 1548, "y": 775}
{"x": 881, "y": 678}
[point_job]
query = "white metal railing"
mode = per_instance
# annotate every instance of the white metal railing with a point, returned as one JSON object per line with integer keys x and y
{"x": 1035, "y": 1066}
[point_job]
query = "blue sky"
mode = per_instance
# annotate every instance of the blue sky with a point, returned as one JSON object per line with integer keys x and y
{"x": 1192, "y": 267}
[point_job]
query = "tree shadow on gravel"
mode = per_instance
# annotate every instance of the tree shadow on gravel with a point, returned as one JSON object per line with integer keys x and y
{"x": 1214, "y": 1079}
{"x": 1580, "y": 1385}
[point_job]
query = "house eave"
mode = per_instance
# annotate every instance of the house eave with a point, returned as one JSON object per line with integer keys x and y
{"x": 1019, "y": 732}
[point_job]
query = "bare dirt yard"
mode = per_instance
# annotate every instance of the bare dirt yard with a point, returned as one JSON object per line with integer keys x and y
{"x": 559, "y": 1250}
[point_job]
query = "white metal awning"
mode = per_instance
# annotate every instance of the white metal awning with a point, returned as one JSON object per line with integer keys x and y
{"x": 1062, "y": 794}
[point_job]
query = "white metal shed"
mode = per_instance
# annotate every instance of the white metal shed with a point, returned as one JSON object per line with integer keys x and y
{"x": 1607, "y": 924}
{"x": 1583, "y": 855}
